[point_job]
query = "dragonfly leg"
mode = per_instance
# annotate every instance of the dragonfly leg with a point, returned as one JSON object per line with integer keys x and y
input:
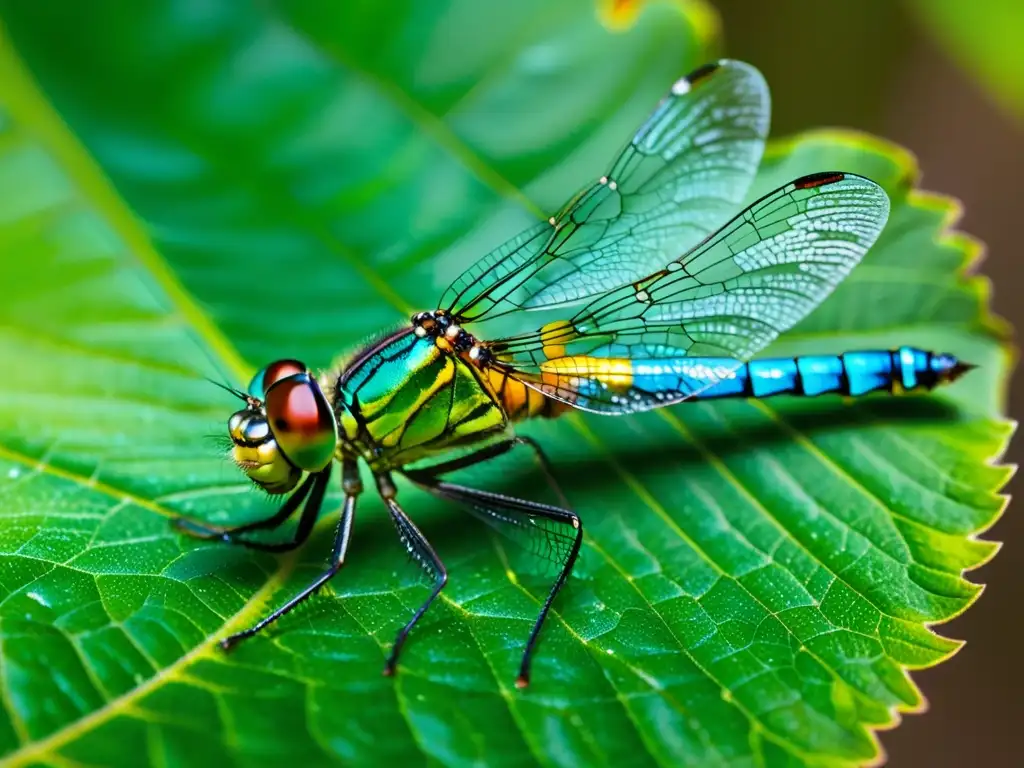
{"x": 342, "y": 537}
{"x": 315, "y": 486}
{"x": 498, "y": 506}
{"x": 432, "y": 472}
{"x": 204, "y": 531}
{"x": 493, "y": 451}
{"x": 417, "y": 545}
{"x": 502, "y": 508}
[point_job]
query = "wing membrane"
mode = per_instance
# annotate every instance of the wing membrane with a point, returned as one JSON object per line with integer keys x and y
{"x": 631, "y": 348}
{"x": 680, "y": 178}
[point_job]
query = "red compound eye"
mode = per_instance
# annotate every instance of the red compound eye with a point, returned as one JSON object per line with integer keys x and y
{"x": 302, "y": 422}
{"x": 272, "y": 374}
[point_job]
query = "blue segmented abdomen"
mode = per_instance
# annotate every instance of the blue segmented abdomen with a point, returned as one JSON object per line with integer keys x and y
{"x": 852, "y": 373}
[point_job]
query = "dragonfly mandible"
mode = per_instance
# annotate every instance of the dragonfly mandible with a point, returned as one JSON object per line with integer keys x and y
{"x": 653, "y": 293}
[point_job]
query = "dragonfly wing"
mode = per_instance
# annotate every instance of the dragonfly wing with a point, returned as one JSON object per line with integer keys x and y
{"x": 680, "y": 178}
{"x": 726, "y": 299}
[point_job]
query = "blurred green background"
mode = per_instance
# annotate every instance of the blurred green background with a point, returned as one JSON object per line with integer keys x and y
{"x": 944, "y": 78}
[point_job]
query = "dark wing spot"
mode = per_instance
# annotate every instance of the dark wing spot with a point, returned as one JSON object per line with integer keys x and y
{"x": 702, "y": 73}
{"x": 818, "y": 179}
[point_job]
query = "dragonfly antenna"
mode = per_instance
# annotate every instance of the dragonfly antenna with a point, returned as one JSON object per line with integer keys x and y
{"x": 226, "y": 388}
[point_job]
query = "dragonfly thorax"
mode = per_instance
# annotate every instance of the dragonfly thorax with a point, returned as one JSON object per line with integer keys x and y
{"x": 411, "y": 395}
{"x": 449, "y": 336}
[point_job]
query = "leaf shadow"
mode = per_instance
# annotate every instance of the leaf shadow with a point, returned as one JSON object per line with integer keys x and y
{"x": 668, "y": 450}
{"x": 725, "y": 443}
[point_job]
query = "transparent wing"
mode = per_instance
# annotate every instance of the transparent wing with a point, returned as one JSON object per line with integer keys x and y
{"x": 674, "y": 333}
{"x": 680, "y": 178}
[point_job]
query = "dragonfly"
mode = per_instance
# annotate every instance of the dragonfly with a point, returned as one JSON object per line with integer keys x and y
{"x": 644, "y": 291}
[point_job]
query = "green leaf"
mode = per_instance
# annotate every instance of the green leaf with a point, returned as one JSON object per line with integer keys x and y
{"x": 192, "y": 190}
{"x": 984, "y": 38}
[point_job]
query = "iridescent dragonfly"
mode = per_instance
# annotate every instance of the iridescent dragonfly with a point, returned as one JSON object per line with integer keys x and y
{"x": 629, "y": 324}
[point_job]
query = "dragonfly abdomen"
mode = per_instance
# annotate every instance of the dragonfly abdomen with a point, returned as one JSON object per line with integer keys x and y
{"x": 852, "y": 373}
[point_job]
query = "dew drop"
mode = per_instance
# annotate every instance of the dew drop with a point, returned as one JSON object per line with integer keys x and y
{"x": 38, "y": 598}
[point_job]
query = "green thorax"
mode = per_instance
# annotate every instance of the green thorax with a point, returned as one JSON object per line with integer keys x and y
{"x": 402, "y": 399}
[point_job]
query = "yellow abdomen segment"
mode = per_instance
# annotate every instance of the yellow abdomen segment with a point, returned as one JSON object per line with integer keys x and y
{"x": 564, "y": 376}
{"x": 616, "y": 373}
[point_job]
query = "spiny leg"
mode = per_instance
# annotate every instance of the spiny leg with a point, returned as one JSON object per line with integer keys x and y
{"x": 204, "y": 531}
{"x": 433, "y": 472}
{"x": 506, "y": 509}
{"x": 485, "y": 503}
{"x": 417, "y": 546}
{"x": 306, "y": 521}
{"x": 492, "y": 451}
{"x": 352, "y": 488}
{"x": 545, "y": 464}
{"x": 318, "y": 484}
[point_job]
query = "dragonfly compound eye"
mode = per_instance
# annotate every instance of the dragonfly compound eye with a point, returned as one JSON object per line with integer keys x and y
{"x": 273, "y": 373}
{"x": 302, "y": 422}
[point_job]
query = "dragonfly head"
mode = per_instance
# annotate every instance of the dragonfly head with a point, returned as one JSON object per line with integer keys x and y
{"x": 286, "y": 428}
